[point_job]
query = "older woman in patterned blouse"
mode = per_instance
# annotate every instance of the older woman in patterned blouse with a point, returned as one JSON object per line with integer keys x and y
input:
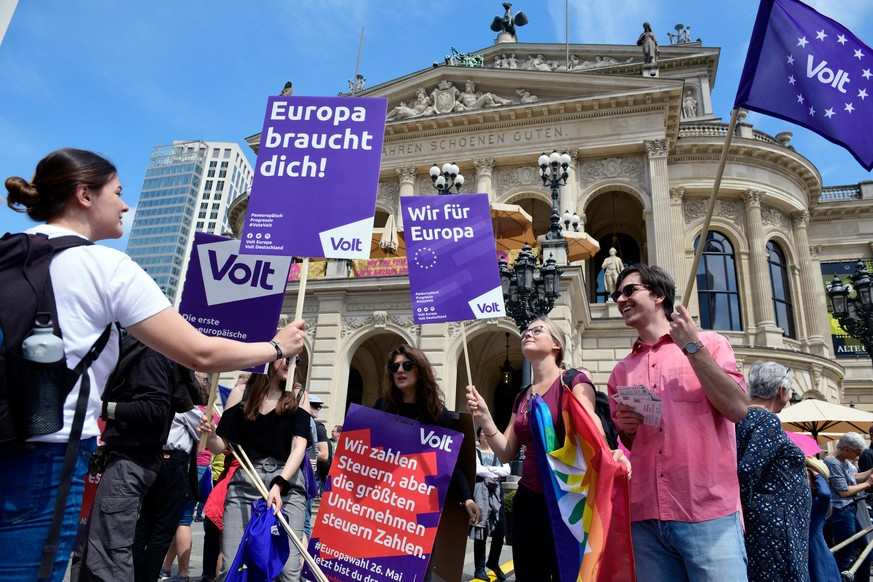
{"x": 773, "y": 484}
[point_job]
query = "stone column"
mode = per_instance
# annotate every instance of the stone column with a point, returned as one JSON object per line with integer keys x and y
{"x": 766, "y": 333}
{"x": 812, "y": 296}
{"x": 705, "y": 96}
{"x": 677, "y": 221}
{"x": 570, "y": 192}
{"x": 664, "y": 254}
{"x": 407, "y": 188}
{"x": 484, "y": 183}
{"x": 323, "y": 379}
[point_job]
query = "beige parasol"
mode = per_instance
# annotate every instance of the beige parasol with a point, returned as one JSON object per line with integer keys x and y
{"x": 580, "y": 246}
{"x": 817, "y": 416}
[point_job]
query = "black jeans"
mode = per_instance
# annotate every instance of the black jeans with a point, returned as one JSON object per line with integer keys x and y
{"x": 533, "y": 552}
{"x": 211, "y": 549}
{"x": 161, "y": 510}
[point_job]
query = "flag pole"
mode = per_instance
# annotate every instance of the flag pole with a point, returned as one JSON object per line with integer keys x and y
{"x": 298, "y": 314}
{"x": 210, "y": 405}
{"x": 692, "y": 275}
{"x": 466, "y": 352}
{"x": 249, "y": 470}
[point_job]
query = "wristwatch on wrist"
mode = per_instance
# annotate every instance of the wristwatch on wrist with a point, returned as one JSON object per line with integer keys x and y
{"x": 692, "y": 347}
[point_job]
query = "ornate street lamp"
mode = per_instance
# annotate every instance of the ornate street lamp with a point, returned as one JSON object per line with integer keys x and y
{"x": 571, "y": 219}
{"x": 553, "y": 170}
{"x": 854, "y": 313}
{"x": 449, "y": 177}
{"x": 506, "y": 368}
{"x": 527, "y": 294}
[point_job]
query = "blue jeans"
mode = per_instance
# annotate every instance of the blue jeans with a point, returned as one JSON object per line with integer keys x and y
{"x": 29, "y": 482}
{"x": 676, "y": 551}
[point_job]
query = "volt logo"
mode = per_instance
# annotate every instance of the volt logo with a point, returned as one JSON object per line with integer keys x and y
{"x": 488, "y": 304}
{"x": 826, "y": 75}
{"x": 230, "y": 276}
{"x": 241, "y": 273}
{"x": 341, "y": 244}
{"x": 436, "y": 441}
{"x": 348, "y": 241}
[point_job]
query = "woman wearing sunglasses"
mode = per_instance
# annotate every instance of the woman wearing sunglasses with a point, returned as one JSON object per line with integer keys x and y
{"x": 411, "y": 391}
{"x": 533, "y": 551}
{"x": 267, "y": 423}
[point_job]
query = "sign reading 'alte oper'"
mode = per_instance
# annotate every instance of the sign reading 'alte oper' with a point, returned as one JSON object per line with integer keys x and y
{"x": 478, "y": 141}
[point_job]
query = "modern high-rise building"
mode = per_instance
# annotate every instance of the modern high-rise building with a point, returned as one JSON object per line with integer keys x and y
{"x": 188, "y": 187}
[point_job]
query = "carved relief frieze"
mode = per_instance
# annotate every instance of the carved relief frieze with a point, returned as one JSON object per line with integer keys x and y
{"x": 388, "y": 194}
{"x": 696, "y": 208}
{"x": 353, "y": 324}
{"x": 510, "y": 178}
{"x": 631, "y": 169}
{"x": 774, "y": 217}
{"x": 538, "y": 62}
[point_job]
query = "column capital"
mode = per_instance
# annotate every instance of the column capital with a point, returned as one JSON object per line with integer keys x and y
{"x": 676, "y": 195}
{"x": 657, "y": 148}
{"x": 574, "y": 154}
{"x": 484, "y": 166}
{"x": 753, "y": 198}
{"x": 407, "y": 174}
{"x": 800, "y": 219}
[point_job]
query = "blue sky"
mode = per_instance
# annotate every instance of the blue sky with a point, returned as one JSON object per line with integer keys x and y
{"x": 120, "y": 77}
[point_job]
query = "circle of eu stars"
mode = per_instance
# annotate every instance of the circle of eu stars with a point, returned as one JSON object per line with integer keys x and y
{"x": 425, "y": 258}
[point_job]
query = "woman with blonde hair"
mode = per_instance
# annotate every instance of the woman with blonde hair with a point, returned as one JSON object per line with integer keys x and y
{"x": 542, "y": 343}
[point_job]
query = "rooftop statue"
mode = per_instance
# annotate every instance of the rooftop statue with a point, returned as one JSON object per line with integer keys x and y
{"x": 287, "y": 90}
{"x": 508, "y": 23}
{"x": 649, "y": 43}
{"x": 458, "y": 59}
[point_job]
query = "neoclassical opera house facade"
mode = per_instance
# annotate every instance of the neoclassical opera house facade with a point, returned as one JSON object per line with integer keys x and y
{"x": 645, "y": 145}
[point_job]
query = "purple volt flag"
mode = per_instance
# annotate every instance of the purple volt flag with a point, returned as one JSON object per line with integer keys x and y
{"x": 227, "y": 294}
{"x": 805, "y": 68}
{"x": 452, "y": 259}
{"x": 316, "y": 178}
{"x": 383, "y": 498}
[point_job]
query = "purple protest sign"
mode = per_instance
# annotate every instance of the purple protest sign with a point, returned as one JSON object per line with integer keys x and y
{"x": 453, "y": 274}
{"x": 230, "y": 295}
{"x": 382, "y": 503}
{"x": 316, "y": 178}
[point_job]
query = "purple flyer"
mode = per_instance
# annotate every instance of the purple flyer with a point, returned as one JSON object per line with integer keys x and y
{"x": 316, "y": 178}
{"x": 453, "y": 273}
{"x": 383, "y": 498}
{"x": 231, "y": 295}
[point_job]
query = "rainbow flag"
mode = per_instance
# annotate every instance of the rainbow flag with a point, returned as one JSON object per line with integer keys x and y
{"x": 588, "y": 496}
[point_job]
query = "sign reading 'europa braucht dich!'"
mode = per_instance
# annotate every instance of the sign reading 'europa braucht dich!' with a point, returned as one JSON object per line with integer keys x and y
{"x": 316, "y": 178}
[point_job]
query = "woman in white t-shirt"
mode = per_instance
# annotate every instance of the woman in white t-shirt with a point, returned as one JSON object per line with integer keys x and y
{"x": 76, "y": 192}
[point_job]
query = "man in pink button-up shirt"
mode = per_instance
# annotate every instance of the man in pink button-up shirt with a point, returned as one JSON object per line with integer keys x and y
{"x": 685, "y": 498}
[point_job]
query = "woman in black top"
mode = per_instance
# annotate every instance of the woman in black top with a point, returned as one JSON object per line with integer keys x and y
{"x": 264, "y": 419}
{"x": 411, "y": 391}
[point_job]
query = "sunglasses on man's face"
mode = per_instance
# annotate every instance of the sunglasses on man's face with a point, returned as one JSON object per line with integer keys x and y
{"x": 627, "y": 291}
{"x": 394, "y": 367}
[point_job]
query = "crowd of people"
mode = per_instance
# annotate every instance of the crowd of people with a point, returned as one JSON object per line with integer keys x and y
{"x": 718, "y": 492}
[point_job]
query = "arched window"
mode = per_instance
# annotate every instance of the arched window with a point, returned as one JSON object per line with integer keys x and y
{"x": 717, "y": 289}
{"x": 782, "y": 306}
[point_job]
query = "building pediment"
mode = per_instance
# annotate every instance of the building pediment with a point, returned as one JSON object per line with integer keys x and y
{"x": 446, "y": 100}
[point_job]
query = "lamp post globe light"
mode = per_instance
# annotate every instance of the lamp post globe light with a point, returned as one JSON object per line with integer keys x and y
{"x": 553, "y": 170}
{"x": 854, "y": 313}
{"x": 527, "y": 294}
{"x": 447, "y": 178}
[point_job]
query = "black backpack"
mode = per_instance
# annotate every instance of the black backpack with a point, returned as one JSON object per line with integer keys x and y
{"x": 25, "y": 292}
{"x": 32, "y": 394}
